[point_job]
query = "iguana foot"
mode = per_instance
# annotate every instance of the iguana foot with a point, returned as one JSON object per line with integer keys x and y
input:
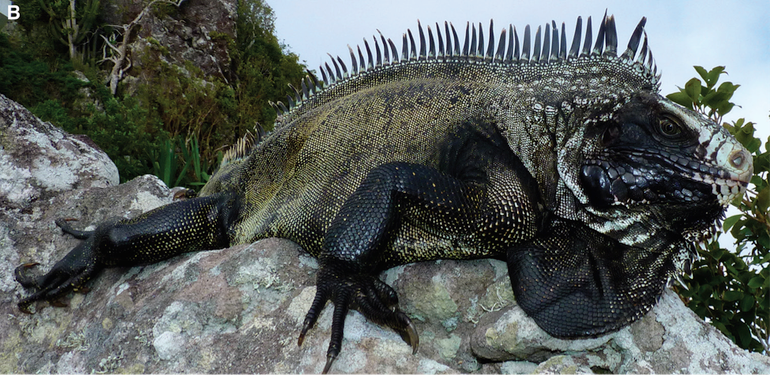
{"x": 68, "y": 274}
{"x": 368, "y": 295}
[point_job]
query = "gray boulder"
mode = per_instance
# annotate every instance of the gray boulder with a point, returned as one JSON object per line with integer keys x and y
{"x": 38, "y": 159}
{"x": 240, "y": 309}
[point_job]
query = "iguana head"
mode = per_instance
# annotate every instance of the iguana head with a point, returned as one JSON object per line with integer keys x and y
{"x": 654, "y": 160}
{"x": 639, "y": 164}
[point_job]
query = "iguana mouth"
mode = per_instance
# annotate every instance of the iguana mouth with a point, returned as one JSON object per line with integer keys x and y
{"x": 631, "y": 179}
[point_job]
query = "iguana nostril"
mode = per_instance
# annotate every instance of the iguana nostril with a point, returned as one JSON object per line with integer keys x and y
{"x": 739, "y": 159}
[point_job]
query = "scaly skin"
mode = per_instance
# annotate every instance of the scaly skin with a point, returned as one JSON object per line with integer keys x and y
{"x": 567, "y": 163}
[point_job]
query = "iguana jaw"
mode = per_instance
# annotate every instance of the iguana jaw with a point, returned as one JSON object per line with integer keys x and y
{"x": 722, "y": 161}
{"x": 632, "y": 163}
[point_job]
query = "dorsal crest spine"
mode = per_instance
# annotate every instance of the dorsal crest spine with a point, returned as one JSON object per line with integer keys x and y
{"x": 549, "y": 47}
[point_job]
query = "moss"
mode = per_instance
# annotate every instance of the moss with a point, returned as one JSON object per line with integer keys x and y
{"x": 437, "y": 303}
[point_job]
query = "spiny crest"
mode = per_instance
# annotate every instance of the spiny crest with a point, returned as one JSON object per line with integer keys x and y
{"x": 243, "y": 146}
{"x": 548, "y": 47}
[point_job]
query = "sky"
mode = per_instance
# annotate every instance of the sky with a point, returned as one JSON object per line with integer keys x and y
{"x": 681, "y": 34}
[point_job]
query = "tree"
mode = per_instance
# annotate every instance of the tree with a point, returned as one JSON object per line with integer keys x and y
{"x": 118, "y": 51}
{"x": 178, "y": 114}
{"x": 70, "y": 23}
{"x": 263, "y": 66}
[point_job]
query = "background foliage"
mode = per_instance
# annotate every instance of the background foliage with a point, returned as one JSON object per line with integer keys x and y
{"x": 730, "y": 288}
{"x": 57, "y": 70}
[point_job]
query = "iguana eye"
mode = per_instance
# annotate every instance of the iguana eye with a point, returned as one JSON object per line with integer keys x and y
{"x": 669, "y": 126}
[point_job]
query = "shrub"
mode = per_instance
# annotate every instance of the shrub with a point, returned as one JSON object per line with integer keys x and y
{"x": 730, "y": 288}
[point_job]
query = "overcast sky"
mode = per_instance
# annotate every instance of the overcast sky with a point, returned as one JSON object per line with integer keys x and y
{"x": 681, "y": 33}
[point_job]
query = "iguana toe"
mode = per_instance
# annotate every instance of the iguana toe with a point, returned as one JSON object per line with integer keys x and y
{"x": 22, "y": 278}
{"x": 66, "y": 228}
{"x": 68, "y": 274}
{"x": 365, "y": 293}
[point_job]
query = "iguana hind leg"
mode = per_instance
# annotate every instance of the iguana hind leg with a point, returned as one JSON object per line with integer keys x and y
{"x": 179, "y": 227}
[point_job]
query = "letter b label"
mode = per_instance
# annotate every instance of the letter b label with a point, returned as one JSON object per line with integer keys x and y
{"x": 13, "y": 12}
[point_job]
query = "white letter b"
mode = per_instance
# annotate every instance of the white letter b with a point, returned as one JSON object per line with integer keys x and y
{"x": 13, "y": 12}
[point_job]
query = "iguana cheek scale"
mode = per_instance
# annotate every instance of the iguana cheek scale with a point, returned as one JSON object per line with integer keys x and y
{"x": 567, "y": 163}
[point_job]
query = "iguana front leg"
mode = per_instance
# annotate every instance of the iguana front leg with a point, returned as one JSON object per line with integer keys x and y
{"x": 356, "y": 244}
{"x": 575, "y": 282}
{"x": 183, "y": 226}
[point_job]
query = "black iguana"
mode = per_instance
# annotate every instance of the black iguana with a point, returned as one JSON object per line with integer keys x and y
{"x": 566, "y": 162}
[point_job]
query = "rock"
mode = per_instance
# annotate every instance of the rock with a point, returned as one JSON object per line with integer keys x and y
{"x": 37, "y": 158}
{"x": 193, "y": 35}
{"x": 240, "y": 309}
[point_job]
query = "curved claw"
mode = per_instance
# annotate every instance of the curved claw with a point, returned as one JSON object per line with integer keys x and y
{"x": 411, "y": 337}
{"x": 58, "y": 303}
{"x": 302, "y": 333}
{"x": 329, "y": 360}
{"x": 25, "y": 308}
{"x": 312, "y": 314}
{"x": 373, "y": 298}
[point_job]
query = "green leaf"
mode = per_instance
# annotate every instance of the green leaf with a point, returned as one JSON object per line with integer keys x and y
{"x": 715, "y": 99}
{"x": 732, "y": 270}
{"x": 764, "y": 240}
{"x": 681, "y": 98}
{"x": 762, "y": 163}
{"x": 692, "y": 88}
{"x": 727, "y": 88}
{"x": 745, "y": 135}
{"x": 730, "y": 221}
{"x": 713, "y": 76}
{"x": 763, "y": 199}
{"x": 747, "y": 303}
{"x": 733, "y": 295}
{"x": 725, "y": 108}
{"x": 717, "y": 253}
{"x": 756, "y": 282}
{"x": 702, "y": 72}
{"x": 722, "y": 328}
{"x": 705, "y": 292}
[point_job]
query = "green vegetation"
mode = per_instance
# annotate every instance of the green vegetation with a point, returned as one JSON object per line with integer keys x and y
{"x": 731, "y": 289}
{"x": 169, "y": 120}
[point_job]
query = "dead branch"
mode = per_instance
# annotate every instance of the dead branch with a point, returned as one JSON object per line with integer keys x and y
{"x": 119, "y": 55}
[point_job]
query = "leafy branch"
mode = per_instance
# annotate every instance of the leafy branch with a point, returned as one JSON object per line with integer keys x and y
{"x": 704, "y": 99}
{"x": 732, "y": 288}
